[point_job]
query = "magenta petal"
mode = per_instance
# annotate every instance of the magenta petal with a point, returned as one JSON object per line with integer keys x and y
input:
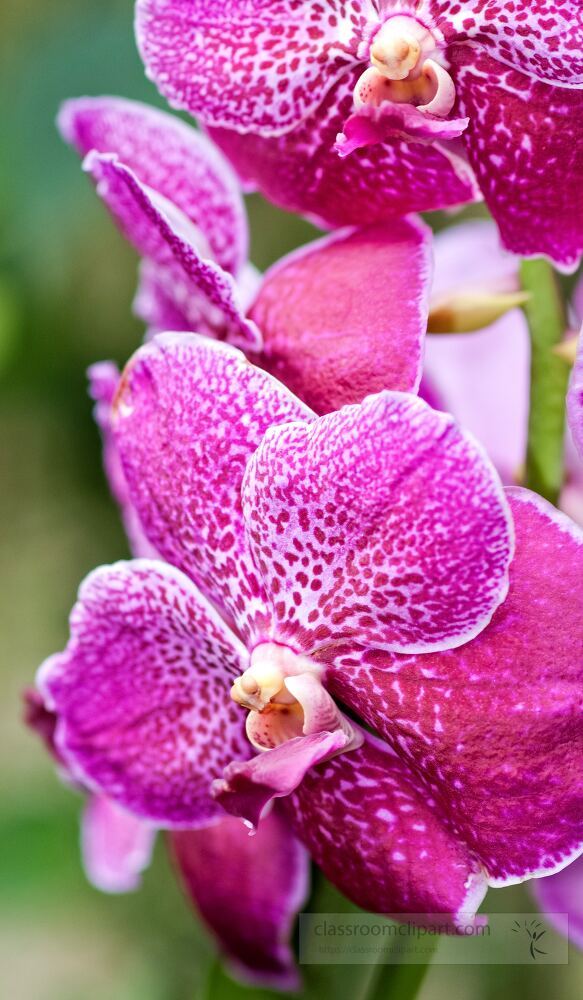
{"x": 575, "y": 399}
{"x": 371, "y": 125}
{"x": 155, "y": 305}
{"x": 248, "y": 890}
{"x": 543, "y": 38}
{"x": 189, "y": 415}
{"x": 164, "y": 236}
{"x": 259, "y": 67}
{"x": 525, "y": 143}
{"x": 383, "y": 522}
{"x": 495, "y": 726}
{"x": 346, "y": 316}
{"x": 302, "y": 173}
{"x": 141, "y": 693}
{"x": 116, "y": 846}
{"x": 248, "y": 786}
{"x": 380, "y": 837}
{"x": 561, "y": 896}
{"x": 171, "y": 158}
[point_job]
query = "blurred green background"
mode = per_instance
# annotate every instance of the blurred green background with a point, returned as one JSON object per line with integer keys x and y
{"x": 66, "y": 282}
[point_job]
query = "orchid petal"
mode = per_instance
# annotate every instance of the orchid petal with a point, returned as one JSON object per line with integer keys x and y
{"x": 371, "y": 125}
{"x": 116, "y": 846}
{"x": 378, "y": 835}
{"x": 575, "y": 399}
{"x": 141, "y": 693}
{"x": 543, "y": 38}
{"x": 346, "y": 315}
{"x": 260, "y": 67}
{"x": 188, "y": 416}
{"x": 383, "y": 522}
{"x": 301, "y": 172}
{"x": 103, "y": 384}
{"x": 494, "y": 727}
{"x": 525, "y": 143}
{"x": 163, "y": 235}
{"x": 560, "y": 897}
{"x": 248, "y": 890}
{"x": 171, "y": 158}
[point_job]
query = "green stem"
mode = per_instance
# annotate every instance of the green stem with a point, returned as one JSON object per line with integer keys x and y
{"x": 549, "y": 374}
{"x": 400, "y": 981}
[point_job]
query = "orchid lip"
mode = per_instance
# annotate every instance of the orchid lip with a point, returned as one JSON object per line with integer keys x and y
{"x": 406, "y": 67}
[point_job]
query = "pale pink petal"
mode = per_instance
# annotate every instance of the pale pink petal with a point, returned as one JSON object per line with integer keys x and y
{"x": 560, "y": 897}
{"x": 188, "y": 416}
{"x": 346, "y": 316}
{"x": 260, "y": 67}
{"x": 171, "y": 158}
{"x": 163, "y": 235}
{"x": 494, "y": 727}
{"x": 525, "y": 143}
{"x": 575, "y": 399}
{"x": 116, "y": 846}
{"x": 382, "y": 839}
{"x": 543, "y": 38}
{"x": 383, "y": 522}
{"x": 469, "y": 256}
{"x": 141, "y": 693}
{"x": 248, "y": 890}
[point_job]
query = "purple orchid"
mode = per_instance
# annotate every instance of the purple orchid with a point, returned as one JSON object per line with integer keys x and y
{"x": 425, "y": 95}
{"x": 360, "y": 559}
{"x": 482, "y": 377}
{"x": 175, "y": 199}
{"x": 575, "y": 394}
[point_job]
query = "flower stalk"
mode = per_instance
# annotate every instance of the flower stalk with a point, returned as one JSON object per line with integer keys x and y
{"x": 549, "y": 374}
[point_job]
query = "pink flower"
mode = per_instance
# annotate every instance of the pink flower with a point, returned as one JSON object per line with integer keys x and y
{"x": 175, "y": 199}
{"x": 431, "y": 95}
{"x": 359, "y": 559}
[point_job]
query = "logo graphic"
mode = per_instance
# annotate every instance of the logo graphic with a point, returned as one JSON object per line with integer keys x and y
{"x": 534, "y": 931}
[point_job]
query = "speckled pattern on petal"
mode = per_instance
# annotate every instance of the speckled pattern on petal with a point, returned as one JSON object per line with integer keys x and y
{"x": 382, "y": 521}
{"x": 380, "y": 837}
{"x": 525, "y": 143}
{"x": 259, "y": 66}
{"x": 171, "y": 158}
{"x": 543, "y": 38}
{"x": 141, "y": 693}
{"x": 162, "y": 234}
{"x": 189, "y": 415}
{"x": 495, "y": 727}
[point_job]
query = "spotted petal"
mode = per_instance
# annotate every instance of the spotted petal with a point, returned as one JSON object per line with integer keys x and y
{"x": 543, "y": 38}
{"x": 495, "y": 726}
{"x": 141, "y": 693}
{"x": 260, "y": 67}
{"x": 116, "y": 846}
{"x": 346, "y": 316}
{"x": 248, "y": 890}
{"x": 378, "y": 835}
{"x": 302, "y": 172}
{"x": 189, "y": 415}
{"x": 171, "y": 158}
{"x": 382, "y": 521}
{"x": 525, "y": 143}
{"x": 162, "y": 234}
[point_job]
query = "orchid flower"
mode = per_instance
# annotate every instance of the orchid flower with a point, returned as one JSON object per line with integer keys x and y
{"x": 430, "y": 94}
{"x": 175, "y": 199}
{"x": 222, "y": 869}
{"x": 363, "y": 559}
{"x": 482, "y": 377}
